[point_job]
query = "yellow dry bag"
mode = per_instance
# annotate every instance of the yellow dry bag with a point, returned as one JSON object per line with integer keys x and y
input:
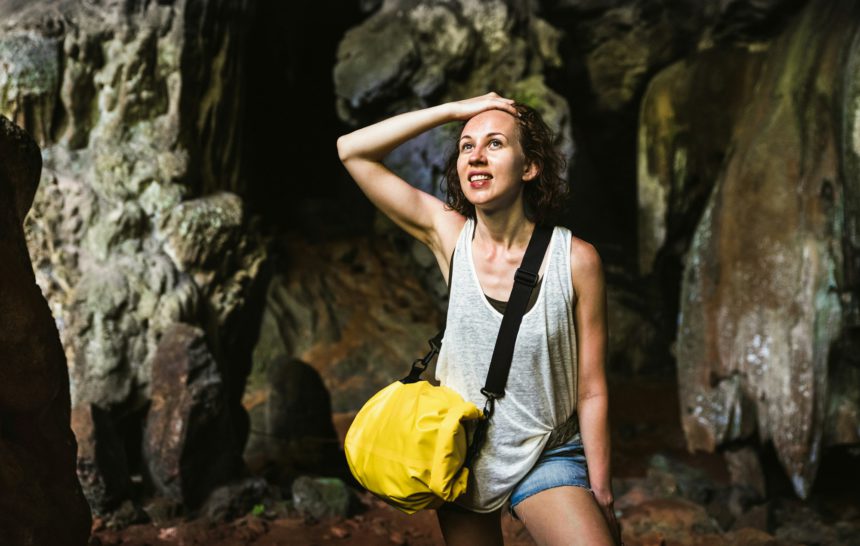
{"x": 408, "y": 445}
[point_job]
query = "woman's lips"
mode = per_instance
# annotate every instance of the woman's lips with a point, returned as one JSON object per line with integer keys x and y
{"x": 480, "y": 182}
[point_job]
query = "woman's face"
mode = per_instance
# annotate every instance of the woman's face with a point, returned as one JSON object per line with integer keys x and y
{"x": 491, "y": 164}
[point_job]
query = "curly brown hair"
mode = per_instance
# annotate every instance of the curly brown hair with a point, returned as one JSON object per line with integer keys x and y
{"x": 544, "y": 196}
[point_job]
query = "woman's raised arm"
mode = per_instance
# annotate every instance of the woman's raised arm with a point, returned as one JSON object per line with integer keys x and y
{"x": 362, "y": 152}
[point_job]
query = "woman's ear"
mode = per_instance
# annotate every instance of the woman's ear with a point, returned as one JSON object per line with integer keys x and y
{"x": 530, "y": 171}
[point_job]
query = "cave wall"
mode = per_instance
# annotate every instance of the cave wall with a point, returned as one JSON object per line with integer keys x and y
{"x": 138, "y": 224}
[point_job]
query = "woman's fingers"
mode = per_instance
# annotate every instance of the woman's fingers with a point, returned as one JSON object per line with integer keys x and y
{"x": 614, "y": 527}
{"x": 468, "y": 108}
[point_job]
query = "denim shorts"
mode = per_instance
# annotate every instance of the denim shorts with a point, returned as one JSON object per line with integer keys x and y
{"x": 556, "y": 467}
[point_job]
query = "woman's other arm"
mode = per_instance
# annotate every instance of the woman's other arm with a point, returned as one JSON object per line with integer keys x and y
{"x": 593, "y": 394}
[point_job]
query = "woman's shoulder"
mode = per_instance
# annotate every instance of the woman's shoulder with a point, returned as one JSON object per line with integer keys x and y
{"x": 586, "y": 266}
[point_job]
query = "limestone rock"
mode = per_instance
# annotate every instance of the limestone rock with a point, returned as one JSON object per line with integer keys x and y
{"x": 37, "y": 447}
{"x": 202, "y": 232}
{"x": 29, "y": 76}
{"x": 801, "y": 523}
{"x": 669, "y": 477}
{"x": 670, "y": 519}
{"x": 686, "y": 121}
{"x": 745, "y": 469}
{"x": 634, "y": 342}
{"x": 621, "y": 44}
{"x": 763, "y": 301}
{"x": 190, "y": 443}
{"x": 139, "y": 109}
{"x": 361, "y": 50}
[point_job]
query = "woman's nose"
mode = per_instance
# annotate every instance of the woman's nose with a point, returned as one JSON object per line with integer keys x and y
{"x": 477, "y": 155}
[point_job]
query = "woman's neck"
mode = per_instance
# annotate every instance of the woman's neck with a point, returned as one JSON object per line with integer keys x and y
{"x": 506, "y": 229}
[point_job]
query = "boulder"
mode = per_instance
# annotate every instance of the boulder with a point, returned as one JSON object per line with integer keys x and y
{"x": 190, "y": 444}
{"x": 237, "y": 499}
{"x": 322, "y": 498}
{"x": 291, "y": 431}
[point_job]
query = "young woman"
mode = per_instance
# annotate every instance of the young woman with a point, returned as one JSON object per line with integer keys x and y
{"x": 503, "y": 179}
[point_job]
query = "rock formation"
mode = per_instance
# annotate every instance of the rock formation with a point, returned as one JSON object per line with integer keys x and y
{"x": 769, "y": 292}
{"x": 190, "y": 443}
{"x": 137, "y": 225}
{"x": 41, "y": 501}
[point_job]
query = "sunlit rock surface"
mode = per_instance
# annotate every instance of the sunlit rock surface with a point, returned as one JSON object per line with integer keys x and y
{"x": 41, "y": 501}
{"x": 137, "y": 224}
{"x": 768, "y": 288}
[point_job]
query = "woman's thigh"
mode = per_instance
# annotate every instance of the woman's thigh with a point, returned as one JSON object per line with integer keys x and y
{"x": 461, "y": 527}
{"x": 564, "y": 516}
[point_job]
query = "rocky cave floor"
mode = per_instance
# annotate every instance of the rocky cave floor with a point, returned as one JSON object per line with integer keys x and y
{"x": 665, "y": 496}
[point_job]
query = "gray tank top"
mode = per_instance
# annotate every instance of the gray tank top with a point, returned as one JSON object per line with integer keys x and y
{"x": 540, "y": 395}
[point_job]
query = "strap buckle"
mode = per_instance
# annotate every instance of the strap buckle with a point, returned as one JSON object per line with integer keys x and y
{"x": 526, "y": 277}
{"x": 491, "y": 395}
{"x": 489, "y": 406}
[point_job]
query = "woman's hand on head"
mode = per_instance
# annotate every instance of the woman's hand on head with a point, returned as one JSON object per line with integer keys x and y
{"x": 468, "y": 108}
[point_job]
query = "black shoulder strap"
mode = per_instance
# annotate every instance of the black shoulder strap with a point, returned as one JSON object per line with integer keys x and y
{"x": 525, "y": 280}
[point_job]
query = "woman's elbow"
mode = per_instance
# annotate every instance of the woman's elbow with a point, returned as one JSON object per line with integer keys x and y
{"x": 596, "y": 395}
{"x": 343, "y": 150}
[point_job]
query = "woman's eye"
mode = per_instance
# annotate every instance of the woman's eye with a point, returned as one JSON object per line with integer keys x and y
{"x": 496, "y": 143}
{"x": 466, "y": 147}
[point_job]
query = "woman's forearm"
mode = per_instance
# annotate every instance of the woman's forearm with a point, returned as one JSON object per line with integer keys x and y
{"x": 375, "y": 141}
{"x": 594, "y": 428}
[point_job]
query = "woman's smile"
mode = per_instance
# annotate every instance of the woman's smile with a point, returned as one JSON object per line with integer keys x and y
{"x": 479, "y": 179}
